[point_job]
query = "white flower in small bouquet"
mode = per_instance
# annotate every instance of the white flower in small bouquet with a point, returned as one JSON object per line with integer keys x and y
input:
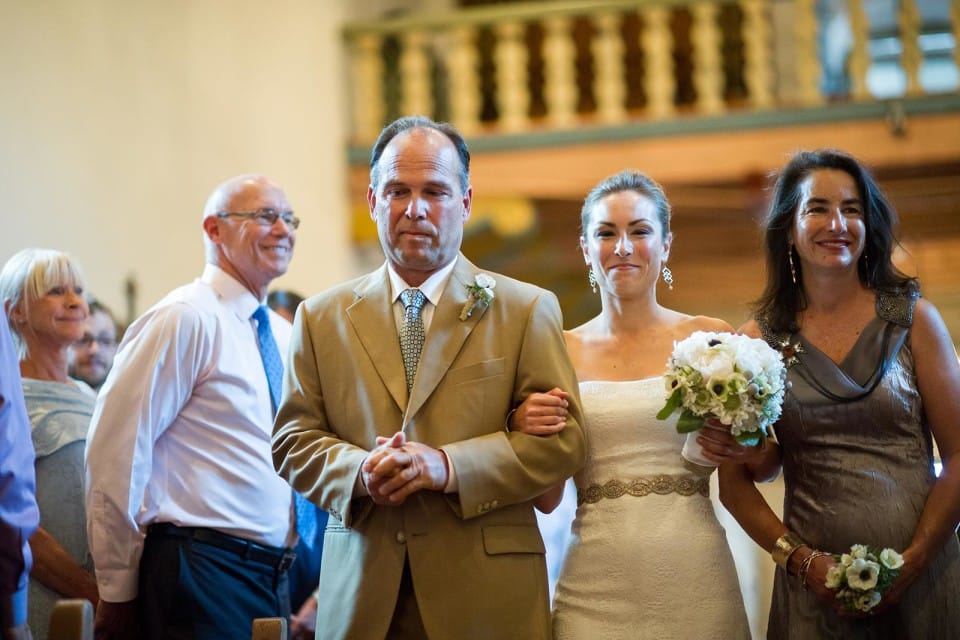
{"x": 734, "y": 378}
{"x": 481, "y": 294}
{"x": 863, "y": 575}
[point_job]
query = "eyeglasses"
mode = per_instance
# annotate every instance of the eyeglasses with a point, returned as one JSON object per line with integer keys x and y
{"x": 265, "y": 217}
{"x": 103, "y": 341}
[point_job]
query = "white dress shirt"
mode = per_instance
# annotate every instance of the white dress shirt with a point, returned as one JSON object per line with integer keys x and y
{"x": 432, "y": 289}
{"x": 181, "y": 430}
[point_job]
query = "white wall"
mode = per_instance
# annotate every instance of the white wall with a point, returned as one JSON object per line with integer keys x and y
{"x": 118, "y": 117}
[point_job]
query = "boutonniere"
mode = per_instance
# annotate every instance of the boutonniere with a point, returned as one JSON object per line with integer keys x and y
{"x": 789, "y": 351}
{"x": 481, "y": 295}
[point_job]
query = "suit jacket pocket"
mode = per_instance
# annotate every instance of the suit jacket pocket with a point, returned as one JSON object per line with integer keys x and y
{"x": 476, "y": 371}
{"x": 512, "y": 538}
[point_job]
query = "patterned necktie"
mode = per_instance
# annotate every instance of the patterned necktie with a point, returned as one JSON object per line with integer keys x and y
{"x": 273, "y": 367}
{"x": 412, "y": 333}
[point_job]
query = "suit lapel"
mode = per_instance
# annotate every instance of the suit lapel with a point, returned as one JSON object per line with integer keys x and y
{"x": 445, "y": 337}
{"x": 372, "y": 318}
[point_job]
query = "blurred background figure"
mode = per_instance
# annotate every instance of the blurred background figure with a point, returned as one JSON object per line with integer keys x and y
{"x": 18, "y": 505}
{"x": 284, "y": 302}
{"x": 42, "y": 294}
{"x": 92, "y": 355}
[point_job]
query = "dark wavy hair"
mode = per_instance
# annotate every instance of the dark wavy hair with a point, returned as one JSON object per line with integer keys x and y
{"x": 782, "y": 300}
{"x": 627, "y": 180}
{"x": 409, "y": 123}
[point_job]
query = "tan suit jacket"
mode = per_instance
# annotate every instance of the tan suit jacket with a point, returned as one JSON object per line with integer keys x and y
{"x": 476, "y": 557}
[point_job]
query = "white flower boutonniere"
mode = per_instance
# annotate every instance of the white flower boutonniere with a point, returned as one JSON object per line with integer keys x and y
{"x": 481, "y": 295}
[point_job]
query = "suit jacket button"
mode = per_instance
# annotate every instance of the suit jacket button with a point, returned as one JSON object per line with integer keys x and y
{"x": 401, "y": 537}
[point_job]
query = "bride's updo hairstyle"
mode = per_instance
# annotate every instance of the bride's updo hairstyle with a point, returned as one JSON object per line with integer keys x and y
{"x": 628, "y": 180}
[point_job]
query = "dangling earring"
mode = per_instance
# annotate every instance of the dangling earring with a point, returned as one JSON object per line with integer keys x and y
{"x": 667, "y": 276}
{"x": 793, "y": 270}
{"x": 866, "y": 266}
{"x": 592, "y": 278}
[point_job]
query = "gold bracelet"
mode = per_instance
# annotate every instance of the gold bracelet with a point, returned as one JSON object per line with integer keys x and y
{"x": 784, "y": 547}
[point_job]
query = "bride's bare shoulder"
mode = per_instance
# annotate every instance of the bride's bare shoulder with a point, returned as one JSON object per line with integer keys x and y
{"x": 750, "y": 328}
{"x": 689, "y": 324}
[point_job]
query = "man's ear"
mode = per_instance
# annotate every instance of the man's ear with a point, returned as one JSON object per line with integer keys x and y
{"x": 372, "y": 202}
{"x": 467, "y": 204}
{"x": 211, "y": 227}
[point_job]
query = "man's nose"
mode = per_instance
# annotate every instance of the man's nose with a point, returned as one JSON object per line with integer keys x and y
{"x": 416, "y": 208}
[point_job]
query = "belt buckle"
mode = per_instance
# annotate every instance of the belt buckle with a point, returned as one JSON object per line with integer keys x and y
{"x": 286, "y": 560}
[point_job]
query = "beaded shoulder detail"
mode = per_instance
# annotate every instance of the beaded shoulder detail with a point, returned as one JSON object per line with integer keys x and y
{"x": 772, "y": 338}
{"x": 897, "y": 307}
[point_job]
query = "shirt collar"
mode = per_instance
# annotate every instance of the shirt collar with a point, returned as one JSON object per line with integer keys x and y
{"x": 432, "y": 287}
{"x": 231, "y": 292}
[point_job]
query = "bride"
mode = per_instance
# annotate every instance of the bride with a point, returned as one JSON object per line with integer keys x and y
{"x": 647, "y": 558}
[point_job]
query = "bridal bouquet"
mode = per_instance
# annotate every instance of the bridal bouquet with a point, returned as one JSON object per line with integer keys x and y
{"x": 734, "y": 378}
{"x": 863, "y": 575}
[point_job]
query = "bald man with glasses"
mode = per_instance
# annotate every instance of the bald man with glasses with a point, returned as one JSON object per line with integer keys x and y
{"x": 189, "y": 525}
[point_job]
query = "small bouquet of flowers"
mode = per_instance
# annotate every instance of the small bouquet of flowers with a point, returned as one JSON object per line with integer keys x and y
{"x": 737, "y": 379}
{"x": 863, "y": 575}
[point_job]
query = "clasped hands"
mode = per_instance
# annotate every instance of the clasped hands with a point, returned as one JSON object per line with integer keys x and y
{"x": 397, "y": 468}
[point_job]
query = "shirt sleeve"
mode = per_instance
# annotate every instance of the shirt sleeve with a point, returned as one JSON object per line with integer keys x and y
{"x": 152, "y": 378}
{"x": 18, "y": 506}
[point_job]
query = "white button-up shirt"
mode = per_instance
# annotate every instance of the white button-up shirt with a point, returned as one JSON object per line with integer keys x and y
{"x": 181, "y": 431}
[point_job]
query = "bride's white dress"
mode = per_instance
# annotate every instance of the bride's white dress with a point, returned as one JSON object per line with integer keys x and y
{"x": 647, "y": 557}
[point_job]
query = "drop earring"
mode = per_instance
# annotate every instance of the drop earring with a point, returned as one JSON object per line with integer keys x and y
{"x": 793, "y": 270}
{"x": 592, "y": 278}
{"x": 667, "y": 276}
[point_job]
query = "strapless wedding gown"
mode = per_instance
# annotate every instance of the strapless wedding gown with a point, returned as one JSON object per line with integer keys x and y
{"x": 647, "y": 557}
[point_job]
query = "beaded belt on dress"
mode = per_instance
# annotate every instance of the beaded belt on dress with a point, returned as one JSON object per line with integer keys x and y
{"x": 685, "y": 485}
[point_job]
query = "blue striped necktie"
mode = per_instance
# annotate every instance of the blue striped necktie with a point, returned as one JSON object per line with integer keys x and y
{"x": 273, "y": 367}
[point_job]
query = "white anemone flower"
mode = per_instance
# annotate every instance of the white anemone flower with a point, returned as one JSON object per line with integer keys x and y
{"x": 834, "y": 576}
{"x": 891, "y": 559}
{"x": 862, "y": 574}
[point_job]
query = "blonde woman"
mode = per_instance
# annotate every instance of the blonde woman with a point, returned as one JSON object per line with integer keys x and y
{"x": 42, "y": 294}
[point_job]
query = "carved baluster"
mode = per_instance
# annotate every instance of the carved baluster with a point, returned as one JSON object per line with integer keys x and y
{"x": 464, "y": 79}
{"x": 707, "y": 70}
{"x": 757, "y": 54}
{"x": 912, "y": 57}
{"x": 560, "y": 83}
{"x": 510, "y": 54}
{"x": 955, "y": 23}
{"x": 859, "y": 53}
{"x": 808, "y": 61}
{"x": 659, "y": 81}
{"x": 609, "y": 80}
{"x": 415, "y": 75}
{"x": 368, "y": 98}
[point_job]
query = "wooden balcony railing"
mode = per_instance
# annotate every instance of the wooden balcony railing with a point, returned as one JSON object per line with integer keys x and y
{"x": 564, "y": 66}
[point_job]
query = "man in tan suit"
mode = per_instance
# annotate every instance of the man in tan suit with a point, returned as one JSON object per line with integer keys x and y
{"x": 432, "y": 531}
